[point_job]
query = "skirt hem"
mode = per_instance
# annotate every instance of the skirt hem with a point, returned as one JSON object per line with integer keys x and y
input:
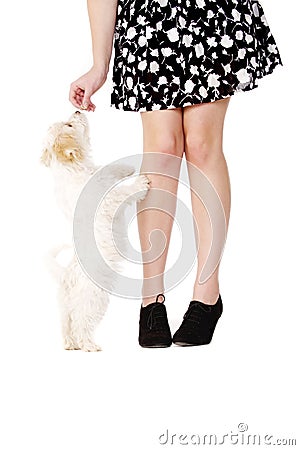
{"x": 175, "y": 105}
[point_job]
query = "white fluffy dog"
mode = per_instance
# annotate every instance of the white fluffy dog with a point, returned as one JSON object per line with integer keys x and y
{"x": 67, "y": 154}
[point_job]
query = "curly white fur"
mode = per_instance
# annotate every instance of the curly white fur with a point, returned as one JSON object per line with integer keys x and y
{"x": 67, "y": 152}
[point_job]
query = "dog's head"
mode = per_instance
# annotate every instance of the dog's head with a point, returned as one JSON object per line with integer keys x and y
{"x": 67, "y": 143}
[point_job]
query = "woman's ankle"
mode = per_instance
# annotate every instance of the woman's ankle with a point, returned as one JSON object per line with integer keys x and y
{"x": 148, "y": 300}
{"x": 207, "y": 295}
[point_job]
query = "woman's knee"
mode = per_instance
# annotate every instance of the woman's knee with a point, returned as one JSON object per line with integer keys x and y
{"x": 166, "y": 150}
{"x": 163, "y": 133}
{"x": 163, "y": 156}
{"x": 203, "y": 145}
{"x": 203, "y": 131}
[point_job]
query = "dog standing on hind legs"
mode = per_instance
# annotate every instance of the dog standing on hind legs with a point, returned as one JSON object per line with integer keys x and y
{"x": 67, "y": 153}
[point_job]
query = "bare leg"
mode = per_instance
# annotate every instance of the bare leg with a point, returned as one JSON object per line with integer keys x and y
{"x": 162, "y": 134}
{"x": 203, "y": 129}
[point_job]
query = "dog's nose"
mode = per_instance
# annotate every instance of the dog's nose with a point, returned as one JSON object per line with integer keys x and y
{"x": 77, "y": 112}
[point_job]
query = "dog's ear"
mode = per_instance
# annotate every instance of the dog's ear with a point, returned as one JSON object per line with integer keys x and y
{"x": 67, "y": 149}
{"x": 46, "y": 157}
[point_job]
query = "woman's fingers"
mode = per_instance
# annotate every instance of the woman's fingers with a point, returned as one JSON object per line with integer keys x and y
{"x": 76, "y": 94}
{"x": 75, "y": 102}
{"x": 79, "y": 97}
{"x": 76, "y": 97}
{"x": 83, "y": 88}
{"x": 73, "y": 96}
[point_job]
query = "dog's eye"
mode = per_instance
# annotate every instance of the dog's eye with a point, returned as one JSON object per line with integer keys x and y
{"x": 69, "y": 125}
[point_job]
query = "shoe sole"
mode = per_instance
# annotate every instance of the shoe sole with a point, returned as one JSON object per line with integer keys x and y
{"x": 156, "y": 346}
{"x": 186, "y": 344}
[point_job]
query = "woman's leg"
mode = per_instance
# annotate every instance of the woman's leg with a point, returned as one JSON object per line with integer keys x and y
{"x": 203, "y": 130}
{"x": 162, "y": 134}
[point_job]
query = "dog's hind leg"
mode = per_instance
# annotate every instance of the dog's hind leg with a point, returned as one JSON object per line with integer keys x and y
{"x": 82, "y": 331}
{"x": 84, "y": 335}
{"x": 69, "y": 341}
{"x": 66, "y": 321}
{"x": 87, "y": 317}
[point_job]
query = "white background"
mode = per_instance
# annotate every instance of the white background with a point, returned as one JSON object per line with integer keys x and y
{"x": 126, "y": 396}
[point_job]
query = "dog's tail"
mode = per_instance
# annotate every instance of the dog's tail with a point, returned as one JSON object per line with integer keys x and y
{"x": 56, "y": 269}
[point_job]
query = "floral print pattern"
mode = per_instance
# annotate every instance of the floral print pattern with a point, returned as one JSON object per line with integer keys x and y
{"x": 174, "y": 53}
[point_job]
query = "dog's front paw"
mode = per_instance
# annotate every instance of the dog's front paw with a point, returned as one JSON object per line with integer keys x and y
{"x": 142, "y": 184}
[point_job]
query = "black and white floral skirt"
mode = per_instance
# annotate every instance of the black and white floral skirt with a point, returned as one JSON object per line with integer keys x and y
{"x": 174, "y": 53}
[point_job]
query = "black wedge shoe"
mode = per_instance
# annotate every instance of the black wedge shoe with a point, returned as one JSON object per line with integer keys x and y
{"x": 154, "y": 329}
{"x": 199, "y": 323}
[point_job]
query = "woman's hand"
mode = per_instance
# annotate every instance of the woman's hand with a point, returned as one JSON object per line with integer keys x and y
{"x": 82, "y": 89}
